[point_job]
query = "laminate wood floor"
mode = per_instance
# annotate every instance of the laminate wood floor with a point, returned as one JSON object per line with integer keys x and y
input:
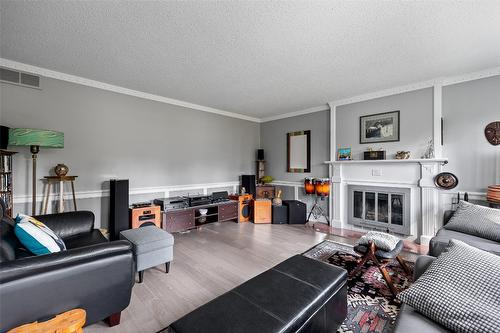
{"x": 208, "y": 262}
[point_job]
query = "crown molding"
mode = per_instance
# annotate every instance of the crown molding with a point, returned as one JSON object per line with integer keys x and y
{"x": 117, "y": 89}
{"x": 314, "y": 109}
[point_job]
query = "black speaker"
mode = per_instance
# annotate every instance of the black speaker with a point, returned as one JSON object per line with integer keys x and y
{"x": 118, "y": 207}
{"x": 280, "y": 214}
{"x": 4, "y": 137}
{"x": 296, "y": 211}
{"x": 248, "y": 182}
{"x": 260, "y": 154}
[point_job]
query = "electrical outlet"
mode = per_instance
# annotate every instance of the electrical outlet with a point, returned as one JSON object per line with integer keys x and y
{"x": 376, "y": 172}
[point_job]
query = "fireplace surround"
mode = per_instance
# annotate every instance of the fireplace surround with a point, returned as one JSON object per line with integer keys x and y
{"x": 414, "y": 177}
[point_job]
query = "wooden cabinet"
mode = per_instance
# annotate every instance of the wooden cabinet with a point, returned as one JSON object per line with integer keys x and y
{"x": 187, "y": 218}
{"x": 228, "y": 211}
{"x": 178, "y": 220}
{"x": 262, "y": 211}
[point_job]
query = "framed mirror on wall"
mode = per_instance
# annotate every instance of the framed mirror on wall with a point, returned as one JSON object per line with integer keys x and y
{"x": 298, "y": 151}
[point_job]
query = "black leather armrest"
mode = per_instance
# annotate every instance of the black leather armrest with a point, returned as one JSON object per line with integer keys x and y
{"x": 70, "y": 223}
{"x": 32, "y": 266}
{"x": 98, "y": 278}
{"x": 421, "y": 265}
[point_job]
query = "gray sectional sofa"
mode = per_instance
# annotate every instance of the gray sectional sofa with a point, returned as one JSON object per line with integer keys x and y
{"x": 443, "y": 236}
{"x": 410, "y": 320}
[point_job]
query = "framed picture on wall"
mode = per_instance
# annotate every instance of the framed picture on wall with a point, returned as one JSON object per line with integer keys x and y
{"x": 379, "y": 127}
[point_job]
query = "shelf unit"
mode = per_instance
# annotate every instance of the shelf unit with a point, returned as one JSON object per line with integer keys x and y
{"x": 6, "y": 179}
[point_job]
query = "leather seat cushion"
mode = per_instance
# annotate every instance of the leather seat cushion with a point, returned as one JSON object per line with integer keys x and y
{"x": 380, "y": 253}
{"x": 148, "y": 239}
{"x": 86, "y": 239}
{"x": 278, "y": 300}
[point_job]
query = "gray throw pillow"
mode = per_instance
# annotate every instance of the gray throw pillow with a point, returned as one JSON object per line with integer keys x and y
{"x": 383, "y": 241}
{"x": 460, "y": 290}
{"x": 476, "y": 220}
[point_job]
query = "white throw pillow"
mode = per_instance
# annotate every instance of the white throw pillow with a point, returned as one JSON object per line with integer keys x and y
{"x": 383, "y": 241}
{"x": 476, "y": 220}
{"x": 36, "y": 236}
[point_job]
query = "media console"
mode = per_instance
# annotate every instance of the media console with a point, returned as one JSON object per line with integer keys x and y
{"x": 181, "y": 219}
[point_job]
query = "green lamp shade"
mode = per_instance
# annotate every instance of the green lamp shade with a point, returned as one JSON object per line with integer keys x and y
{"x": 36, "y": 137}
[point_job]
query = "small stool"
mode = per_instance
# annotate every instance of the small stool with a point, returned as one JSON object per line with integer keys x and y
{"x": 68, "y": 322}
{"x": 381, "y": 259}
{"x": 152, "y": 246}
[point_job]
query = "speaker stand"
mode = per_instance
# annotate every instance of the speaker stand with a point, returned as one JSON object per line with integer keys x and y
{"x": 318, "y": 211}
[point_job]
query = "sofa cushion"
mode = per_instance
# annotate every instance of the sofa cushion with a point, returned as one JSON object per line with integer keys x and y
{"x": 36, "y": 236}
{"x": 476, "y": 220}
{"x": 459, "y": 290}
{"x": 90, "y": 238}
{"x": 443, "y": 237}
{"x": 410, "y": 320}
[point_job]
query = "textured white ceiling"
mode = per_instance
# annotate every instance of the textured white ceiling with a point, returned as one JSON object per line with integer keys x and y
{"x": 254, "y": 58}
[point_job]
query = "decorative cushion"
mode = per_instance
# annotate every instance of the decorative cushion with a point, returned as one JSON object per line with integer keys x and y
{"x": 459, "y": 290}
{"x": 36, "y": 236}
{"x": 476, "y": 220}
{"x": 382, "y": 240}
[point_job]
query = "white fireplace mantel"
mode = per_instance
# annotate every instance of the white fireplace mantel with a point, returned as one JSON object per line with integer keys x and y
{"x": 415, "y": 174}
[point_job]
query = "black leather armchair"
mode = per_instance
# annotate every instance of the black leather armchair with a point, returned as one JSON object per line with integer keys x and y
{"x": 93, "y": 273}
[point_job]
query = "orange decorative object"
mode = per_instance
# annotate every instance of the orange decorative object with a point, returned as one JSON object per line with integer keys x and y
{"x": 309, "y": 185}
{"x": 262, "y": 211}
{"x": 144, "y": 216}
{"x": 493, "y": 194}
{"x": 68, "y": 322}
{"x": 322, "y": 187}
{"x": 244, "y": 206}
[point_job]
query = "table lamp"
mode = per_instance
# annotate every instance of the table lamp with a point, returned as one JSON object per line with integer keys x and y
{"x": 35, "y": 138}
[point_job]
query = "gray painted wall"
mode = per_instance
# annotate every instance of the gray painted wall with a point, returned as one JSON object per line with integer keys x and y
{"x": 110, "y": 135}
{"x": 273, "y": 140}
{"x": 467, "y": 108}
{"x": 416, "y": 110}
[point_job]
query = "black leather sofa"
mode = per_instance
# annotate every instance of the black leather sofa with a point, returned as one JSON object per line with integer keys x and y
{"x": 410, "y": 320}
{"x": 439, "y": 242}
{"x": 298, "y": 295}
{"x": 92, "y": 273}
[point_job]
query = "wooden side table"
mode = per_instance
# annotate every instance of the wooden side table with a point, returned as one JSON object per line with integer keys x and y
{"x": 61, "y": 180}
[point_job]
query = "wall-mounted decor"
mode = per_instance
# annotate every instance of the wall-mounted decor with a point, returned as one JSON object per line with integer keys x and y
{"x": 380, "y": 127}
{"x": 492, "y": 133}
{"x": 344, "y": 154}
{"x": 446, "y": 181}
{"x": 298, "y": 151}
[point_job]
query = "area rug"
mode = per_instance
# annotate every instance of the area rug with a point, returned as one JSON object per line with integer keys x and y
{"x": 371, "y": 307}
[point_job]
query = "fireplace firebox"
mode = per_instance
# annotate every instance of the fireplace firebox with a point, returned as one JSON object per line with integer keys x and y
{"x": 381, "y": 208}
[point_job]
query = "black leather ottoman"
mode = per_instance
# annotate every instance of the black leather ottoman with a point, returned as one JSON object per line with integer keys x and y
{"x": 297, "y": 295}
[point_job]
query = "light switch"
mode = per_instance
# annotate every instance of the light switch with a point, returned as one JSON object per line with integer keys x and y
{"x": 376, "y": 172}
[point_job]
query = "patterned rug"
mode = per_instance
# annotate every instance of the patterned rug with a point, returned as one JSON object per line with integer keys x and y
{"x": 371, "y": 307}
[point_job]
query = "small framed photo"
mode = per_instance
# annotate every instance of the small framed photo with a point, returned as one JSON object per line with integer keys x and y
{"x": 379, "y": 127}
{"x": 344, "y": 154}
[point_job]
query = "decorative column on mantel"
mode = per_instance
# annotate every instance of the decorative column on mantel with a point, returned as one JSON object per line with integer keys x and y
{"x": 428, "y": 206}
{"x": 429, "y": 199}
